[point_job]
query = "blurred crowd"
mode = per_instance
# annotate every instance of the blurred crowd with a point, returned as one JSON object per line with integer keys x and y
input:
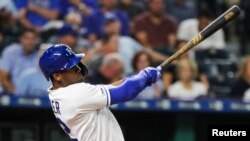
{"x": 122, "y": 37}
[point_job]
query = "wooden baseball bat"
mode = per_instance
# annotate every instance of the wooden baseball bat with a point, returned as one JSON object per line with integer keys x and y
{"x": 218, "y": 23}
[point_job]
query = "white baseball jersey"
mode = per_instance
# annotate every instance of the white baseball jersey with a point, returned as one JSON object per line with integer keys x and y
{"x": 82, "y": 111}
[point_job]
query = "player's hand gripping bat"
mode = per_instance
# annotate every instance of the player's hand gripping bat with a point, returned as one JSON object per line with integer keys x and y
{"x": 218, "y": 23}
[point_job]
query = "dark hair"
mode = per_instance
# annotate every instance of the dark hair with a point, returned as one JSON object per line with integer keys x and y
{"x": 5, "y": 18}
{"x": 205, "y": 13}
{"x": 27, "y": 30}
{"x": 137, "y": 57}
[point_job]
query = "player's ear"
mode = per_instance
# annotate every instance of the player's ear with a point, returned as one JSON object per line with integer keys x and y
{"x": 57, "y": 77}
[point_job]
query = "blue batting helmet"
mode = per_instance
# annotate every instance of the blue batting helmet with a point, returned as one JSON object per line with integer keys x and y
{"x": 60, "y": 57}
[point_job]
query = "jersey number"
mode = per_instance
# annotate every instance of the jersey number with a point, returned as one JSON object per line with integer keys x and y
{"x": 65, "y": 127}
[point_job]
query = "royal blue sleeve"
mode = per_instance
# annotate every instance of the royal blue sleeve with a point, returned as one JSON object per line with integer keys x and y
{"x": 133, "y": 85}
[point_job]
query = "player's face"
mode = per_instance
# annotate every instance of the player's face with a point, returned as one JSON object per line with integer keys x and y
{"x": 71, "y": 76}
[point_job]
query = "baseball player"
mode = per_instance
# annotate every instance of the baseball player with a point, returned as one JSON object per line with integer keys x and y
{"x": 81, "y": 109}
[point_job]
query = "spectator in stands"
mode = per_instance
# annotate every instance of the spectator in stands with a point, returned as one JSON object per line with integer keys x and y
{"x": 131, "y": 7}
{"x": 191, "y": 27}
{"x": 71, "y": 37}
{"x": 34, "y": 13}
{"x": 110, "y": 71}
{"x": 140, "y": 61}
{"x": 181, "y": 9}
{"x": 106, "y": 45}
{"x": 31, "y": 81}
{"x": 242, "y": 84}
{"x": 17, "y": 58}
{"x": 169, "y": 73}
{"x": 72, "y": 19}
{"x": 155, "y": 29}
{"x": 186, "y": 88}
{"x": 5, "y": 21}
{"x": 94, "y": 22}
{"x": 85, "y": 7}
{"x": 67, "y": 35}
{"x": 9, "y": 27}
{"x": 75, "y": 21}
{"x": 128, "y": 47}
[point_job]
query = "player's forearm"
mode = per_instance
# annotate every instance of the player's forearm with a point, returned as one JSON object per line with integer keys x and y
{"x": 128, "y": 89}
{"x": 132, "y": 86}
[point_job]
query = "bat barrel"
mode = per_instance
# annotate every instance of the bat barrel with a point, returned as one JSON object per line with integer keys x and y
{"x": 222, "y": 20}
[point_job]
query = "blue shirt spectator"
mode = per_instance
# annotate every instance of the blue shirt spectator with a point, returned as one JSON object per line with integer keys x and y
{"x": 32, "y": 82}
{"x": 15, "y": 62}
{"x": 16, "y": 58}
{"x": 94, "y": 22}
{"x": 36, "y": 13}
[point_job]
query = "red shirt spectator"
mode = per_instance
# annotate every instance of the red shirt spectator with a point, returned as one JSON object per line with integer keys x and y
{"x": 154, "y": 28}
